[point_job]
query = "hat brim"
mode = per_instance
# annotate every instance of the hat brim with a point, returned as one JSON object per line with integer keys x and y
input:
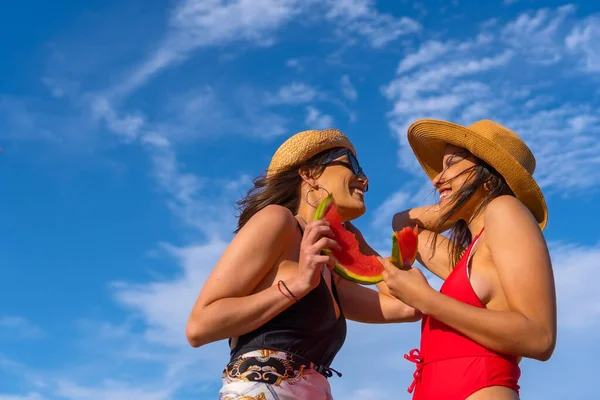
{"x": 428, "y": 139}
{"x": 303, "y": 145}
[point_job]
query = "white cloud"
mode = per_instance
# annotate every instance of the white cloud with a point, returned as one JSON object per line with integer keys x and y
{"x": 564, "y": 142}
{"x": 577, "y": 281}
{"x": 348, "y": 89}
{"x": 427, "y": 52}
{"x": 315, "y": 119}
{"x": 204, "y": 112}
{"x": 584, "y": 39}
{"x": 199, "y": 202}
{"x": 439, "y": 75}
{"x": 361, "y": 18}
{"x": 436, "y": 91}
{"x": 537, "y": 34}
{"x": 166, "y": 305}
{"x": 294, "y": 93}
{"x": 581, "y": 122}
{"x": 195, "y": 24}
{"x": 198, "y": 23}
{"x": 128, "y": 126}
{"x": 456, "y": 85}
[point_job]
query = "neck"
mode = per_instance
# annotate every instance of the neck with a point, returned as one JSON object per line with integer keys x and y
{"x": 305, "y": 213}
{"x": 476, "y": 225}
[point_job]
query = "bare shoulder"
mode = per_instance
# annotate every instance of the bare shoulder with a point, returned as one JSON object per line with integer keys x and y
{"x": 507, "y": 211}
{"x": 277, "y": 218}
{"x": 510, "y": 224}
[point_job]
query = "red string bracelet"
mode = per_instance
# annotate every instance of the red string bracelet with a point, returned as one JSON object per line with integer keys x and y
{"x": 293, "y": 297}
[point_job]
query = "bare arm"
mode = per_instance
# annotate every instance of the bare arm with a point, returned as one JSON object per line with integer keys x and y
{"x": 436, "y": 260}
{"x": 525, "y": 271}
{"x": 366, "y": 305}
{"x": 226, "y": 306}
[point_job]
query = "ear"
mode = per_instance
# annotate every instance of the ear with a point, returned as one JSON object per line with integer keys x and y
{"x": 306, "y": 175}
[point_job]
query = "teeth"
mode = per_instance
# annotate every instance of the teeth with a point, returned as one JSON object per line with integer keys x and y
{"x": 358, "y": 191}
{"x": 444, "y": 194}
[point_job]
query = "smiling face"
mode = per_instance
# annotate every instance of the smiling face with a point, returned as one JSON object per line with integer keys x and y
{"x": 466, "y": 185}
{"x": 459, "y": 169}
{"x": 343, "y": 178}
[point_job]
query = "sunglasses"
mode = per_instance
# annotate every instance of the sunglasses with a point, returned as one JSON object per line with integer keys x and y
{"x": 353, "y": 165}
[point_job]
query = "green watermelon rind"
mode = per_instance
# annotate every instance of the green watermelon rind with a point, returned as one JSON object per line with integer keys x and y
{"x": 339, "y": 268}
{"x": 396, "y": 257}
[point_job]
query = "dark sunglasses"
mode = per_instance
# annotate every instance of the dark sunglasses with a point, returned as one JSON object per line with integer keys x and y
{"x": 353, "y": 165}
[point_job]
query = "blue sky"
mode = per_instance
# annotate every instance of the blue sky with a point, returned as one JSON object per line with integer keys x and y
{"x": 130, "y": 128}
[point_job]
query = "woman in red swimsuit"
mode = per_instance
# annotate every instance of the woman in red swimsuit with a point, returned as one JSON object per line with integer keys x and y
{"x": 497, "y": 303}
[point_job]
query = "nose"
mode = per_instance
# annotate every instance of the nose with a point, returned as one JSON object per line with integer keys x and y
{"x": 437, "y": 179}
{"x": 364, "y": 181}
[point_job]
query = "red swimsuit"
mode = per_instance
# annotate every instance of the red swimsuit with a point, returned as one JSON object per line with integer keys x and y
{"x": 451, "y": 366}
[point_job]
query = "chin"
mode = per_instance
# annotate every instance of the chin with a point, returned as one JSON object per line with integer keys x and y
{"x": 352, "y": 212}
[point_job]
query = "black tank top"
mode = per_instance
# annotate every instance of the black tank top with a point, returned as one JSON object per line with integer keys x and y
{"x": 308, "y": 328}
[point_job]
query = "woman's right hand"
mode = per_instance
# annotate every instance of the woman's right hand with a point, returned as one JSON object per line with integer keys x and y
{"x": 317, "y": 236}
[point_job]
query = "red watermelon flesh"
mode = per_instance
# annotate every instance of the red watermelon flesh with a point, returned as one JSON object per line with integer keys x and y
{"x": 405, "y": 244}
{"x": 351, "y": 263}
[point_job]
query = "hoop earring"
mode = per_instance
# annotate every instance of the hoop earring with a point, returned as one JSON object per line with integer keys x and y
{"x": 312, "y": 189}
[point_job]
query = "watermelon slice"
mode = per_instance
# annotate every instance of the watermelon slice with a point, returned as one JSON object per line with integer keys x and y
{"x": 351, "y": 264}
{"x": 404, "y": 247}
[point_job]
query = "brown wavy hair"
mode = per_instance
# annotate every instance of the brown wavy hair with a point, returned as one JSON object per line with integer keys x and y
{"x": 282, "y": 188}
{"x": 480, "y": 174}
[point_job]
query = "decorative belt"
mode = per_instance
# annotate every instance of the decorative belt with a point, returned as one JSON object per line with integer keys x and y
{"x": 271, "y": 366}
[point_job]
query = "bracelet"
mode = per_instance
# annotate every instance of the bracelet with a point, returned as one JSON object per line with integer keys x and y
{"x": 293, "y": 297}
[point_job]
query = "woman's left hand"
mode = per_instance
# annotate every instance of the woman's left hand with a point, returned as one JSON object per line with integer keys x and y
{"x": 410, "y": 286}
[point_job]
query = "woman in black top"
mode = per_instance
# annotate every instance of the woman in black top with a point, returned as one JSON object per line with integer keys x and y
{"x": 271, "y": 294}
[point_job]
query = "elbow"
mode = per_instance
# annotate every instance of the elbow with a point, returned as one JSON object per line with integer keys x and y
{"x": 410, "y": 314}
{"x": 413, "y": 315}
{"x": 400, "y": 220}
{"x": 544, "y": 347}
{"x": 195, "y": 334}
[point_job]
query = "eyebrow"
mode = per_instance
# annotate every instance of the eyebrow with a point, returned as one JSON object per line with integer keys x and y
{"x": 462, "y": 154}
{"x": 450, "y": 159}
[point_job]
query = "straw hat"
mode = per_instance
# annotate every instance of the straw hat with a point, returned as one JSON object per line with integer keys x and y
{"x": 493, "y": 143}
{"x": 303, "y": 145}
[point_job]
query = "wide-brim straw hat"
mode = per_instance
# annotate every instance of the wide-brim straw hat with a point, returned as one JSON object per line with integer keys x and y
{"x": 489, "y": 141}
{"x": 303, "y": 145}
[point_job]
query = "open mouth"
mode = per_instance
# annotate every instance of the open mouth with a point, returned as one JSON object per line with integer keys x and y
{"x": 445, "y": 193}
{"x": 356, "y": 190}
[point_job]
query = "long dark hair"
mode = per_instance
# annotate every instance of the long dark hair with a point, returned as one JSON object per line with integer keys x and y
{"x": 282, "y": 188}
{"x": 478, "y": 175}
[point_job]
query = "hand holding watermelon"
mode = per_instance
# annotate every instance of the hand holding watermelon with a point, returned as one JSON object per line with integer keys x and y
{"x": 317, "y": 237}
{"x": 405, "y": 244}
{"x": 410, "y": 286}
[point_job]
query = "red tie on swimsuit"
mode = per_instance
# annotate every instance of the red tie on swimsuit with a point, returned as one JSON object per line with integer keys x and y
{"x": 451, "y": 366}
{"x": 415, "y": 356}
